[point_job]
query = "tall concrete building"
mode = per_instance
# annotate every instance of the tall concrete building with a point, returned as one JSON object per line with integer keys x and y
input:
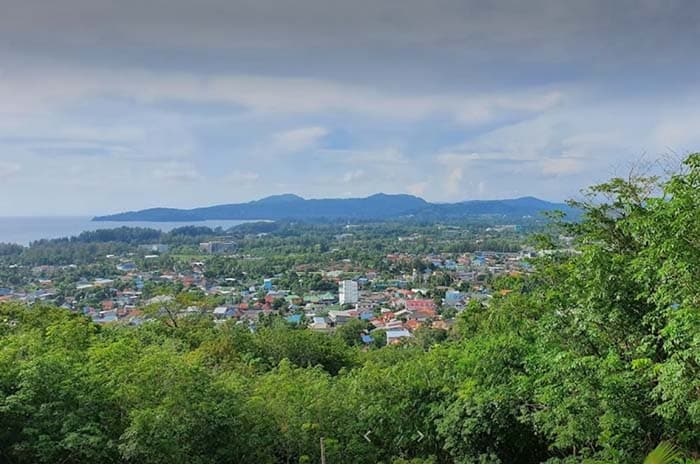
{"x": 348, "y": 292}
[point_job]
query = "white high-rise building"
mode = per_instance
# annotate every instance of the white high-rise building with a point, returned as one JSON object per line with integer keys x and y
{"x": 348, "y": 292}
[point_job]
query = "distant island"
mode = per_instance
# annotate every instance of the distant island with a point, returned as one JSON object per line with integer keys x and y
{"x": 380, "y": 206}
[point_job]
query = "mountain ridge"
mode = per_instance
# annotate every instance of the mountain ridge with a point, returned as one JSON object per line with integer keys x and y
{"x": 376, "y": 206}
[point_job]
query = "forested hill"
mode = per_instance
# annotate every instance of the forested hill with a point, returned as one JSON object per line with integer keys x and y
{"x": 380, "y": 206}
{"x": 593, "y": 357}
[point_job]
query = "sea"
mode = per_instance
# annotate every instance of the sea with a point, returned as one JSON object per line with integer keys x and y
{"x": 24, "y": 230}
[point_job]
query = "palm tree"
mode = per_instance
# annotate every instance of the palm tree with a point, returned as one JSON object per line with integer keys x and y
{"x": 665, "y": 453}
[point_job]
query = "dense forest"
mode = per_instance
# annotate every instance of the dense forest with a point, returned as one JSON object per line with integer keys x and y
{"x": 595, "y": 359}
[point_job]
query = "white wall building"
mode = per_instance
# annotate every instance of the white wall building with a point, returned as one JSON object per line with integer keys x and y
{"x": 348, "y": 292}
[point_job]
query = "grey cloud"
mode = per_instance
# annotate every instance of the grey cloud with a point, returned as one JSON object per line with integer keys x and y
{"x": 270, "y": 23}
{"x": 450, "y": 42}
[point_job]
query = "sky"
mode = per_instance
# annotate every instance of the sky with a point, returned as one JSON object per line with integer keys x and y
{"x": 108, "y": 106}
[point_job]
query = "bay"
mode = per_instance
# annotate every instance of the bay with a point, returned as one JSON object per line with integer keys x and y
{"x": 24, "y": 230}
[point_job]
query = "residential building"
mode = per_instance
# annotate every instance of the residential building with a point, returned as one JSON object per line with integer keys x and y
{"x": 216, "y": 247}
{"x": 395, "y": 336}
{"x": 348, "y": 292}
{"x": 319, "y": 323}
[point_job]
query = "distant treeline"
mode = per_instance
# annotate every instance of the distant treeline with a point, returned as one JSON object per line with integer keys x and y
{"x": 275, "y": 239}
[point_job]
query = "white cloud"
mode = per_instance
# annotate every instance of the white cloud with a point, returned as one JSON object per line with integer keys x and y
{"x": 353, "y": 176}
{"x": 678, "y": 130}
{"x": 418, "y": 189}
{"x": 483, "y": 109}
{"x": 28, "y": 91}
{"x": 454, "y": 181}
{"x": 9, "y": 169}
{"x": 242, "y": 176}
{"x": 390, "y": 156}
{"x": 561, "y": 166}
{"x": 175, "y": 172}
{"x": 298, "y": 139}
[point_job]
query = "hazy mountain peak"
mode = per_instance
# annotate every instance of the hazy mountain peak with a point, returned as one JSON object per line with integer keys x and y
{"x": 282, "y": 198}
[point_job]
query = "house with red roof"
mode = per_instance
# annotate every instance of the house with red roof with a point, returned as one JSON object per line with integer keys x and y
{"x": 420, "y": 305}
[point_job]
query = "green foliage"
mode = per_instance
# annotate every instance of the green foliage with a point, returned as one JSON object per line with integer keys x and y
{"x": 664, "y": 453}
{"x": 351, "y": 332}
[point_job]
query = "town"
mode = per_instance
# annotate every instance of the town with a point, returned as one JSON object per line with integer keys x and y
{"x": 410, "y": 281}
